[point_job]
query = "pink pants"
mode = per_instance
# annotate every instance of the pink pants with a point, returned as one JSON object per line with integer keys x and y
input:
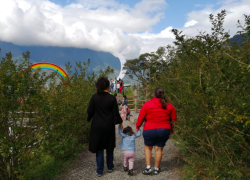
{"x": 129, "y": 157}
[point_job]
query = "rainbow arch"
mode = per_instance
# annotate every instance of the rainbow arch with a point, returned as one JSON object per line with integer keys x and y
{"x": 51, "y": 67}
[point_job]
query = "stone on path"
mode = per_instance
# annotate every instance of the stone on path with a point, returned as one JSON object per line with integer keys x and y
{"x": 84, "y": 167}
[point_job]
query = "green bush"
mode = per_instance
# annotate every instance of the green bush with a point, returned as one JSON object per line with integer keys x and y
{"x": 208, "y": 82}
{"x": 43, "y": 122}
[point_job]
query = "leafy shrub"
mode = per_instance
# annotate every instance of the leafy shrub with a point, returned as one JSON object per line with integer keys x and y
{"x": 208, "y": 82}
{"x": 41, "y": 124}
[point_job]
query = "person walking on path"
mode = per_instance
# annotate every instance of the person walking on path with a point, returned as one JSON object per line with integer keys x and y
{"x": 124, "y": 108}
{"x": 157, "y": 114}
{"x": 118, "y": 100}
{"x": 128, "y": 147}
{"x": 118, "y": 86}
{"x": 103, "y": 111}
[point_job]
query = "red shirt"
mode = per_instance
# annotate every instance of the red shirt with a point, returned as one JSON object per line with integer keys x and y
{"x": 156, "y": 116}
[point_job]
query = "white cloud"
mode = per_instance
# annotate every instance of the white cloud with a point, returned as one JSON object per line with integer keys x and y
{"x": 235, "y": 10}
{"x": 104, "y": 25}
{"x": 96, "y": 24}
{"x": 190, "y": 23}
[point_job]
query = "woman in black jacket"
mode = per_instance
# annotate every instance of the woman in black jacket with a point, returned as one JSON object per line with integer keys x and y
{"x": 103, "y": 110}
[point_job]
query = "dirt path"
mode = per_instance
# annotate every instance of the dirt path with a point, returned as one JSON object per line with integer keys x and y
{"x": 84, "y": 167}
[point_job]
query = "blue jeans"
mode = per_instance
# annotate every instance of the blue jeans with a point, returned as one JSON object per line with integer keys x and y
{"x": 100, "y": 160}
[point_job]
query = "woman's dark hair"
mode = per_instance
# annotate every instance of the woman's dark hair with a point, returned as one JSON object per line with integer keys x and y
{"x": 101, "y": 84}
{"x": 128, "y": 130}
{"x": 125, "y": 97}
{"x": 159, "y": 93}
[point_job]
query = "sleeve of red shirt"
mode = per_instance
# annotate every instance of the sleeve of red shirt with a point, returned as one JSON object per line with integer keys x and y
{"x": 141, "y": 116}
{"x": 173, "y": 114}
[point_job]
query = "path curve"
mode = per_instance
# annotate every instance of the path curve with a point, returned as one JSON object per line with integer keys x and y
{"x": 84, "y": 167}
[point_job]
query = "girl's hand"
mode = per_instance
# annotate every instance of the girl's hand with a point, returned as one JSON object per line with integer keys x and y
{"x": 121, "y": 126}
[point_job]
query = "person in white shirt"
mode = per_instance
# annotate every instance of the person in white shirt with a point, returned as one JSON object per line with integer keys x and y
{"x": 117, "y": 86}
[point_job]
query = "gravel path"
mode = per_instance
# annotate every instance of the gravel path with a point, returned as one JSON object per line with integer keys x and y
{"x": 84, "y": 167}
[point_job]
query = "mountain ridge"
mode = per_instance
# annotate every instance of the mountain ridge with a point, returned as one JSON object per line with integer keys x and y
{"x": 62, "y": 55}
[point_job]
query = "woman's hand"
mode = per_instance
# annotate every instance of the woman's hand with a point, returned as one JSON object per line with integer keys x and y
{"x": 172, "y": 131}
{"x": 121, "y": 126}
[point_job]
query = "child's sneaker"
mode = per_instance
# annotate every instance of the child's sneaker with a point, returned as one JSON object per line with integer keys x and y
{"x": 130, "y": 172}
{"x": 156, "y": 171}
{"x": 125, "y": 168}
{"x": 147, "y": 171}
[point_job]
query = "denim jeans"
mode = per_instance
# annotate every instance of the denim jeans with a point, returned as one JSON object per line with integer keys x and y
{"x": 100, "y": 160}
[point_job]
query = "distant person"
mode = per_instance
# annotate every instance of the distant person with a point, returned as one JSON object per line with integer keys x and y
{"x": 124, "y": 108}
{"x": 125, "y": 101}
{"x": 115, "y": 81}
{"x": 118, "y": 100}
{"x": 121, "y": 89}
{"x": 156, "y": 131}
{"x": 103, "y": 111}
{"x": 128, "y": 147}
{"x": 118, "y": 86}
{"x": 111, "y": 87}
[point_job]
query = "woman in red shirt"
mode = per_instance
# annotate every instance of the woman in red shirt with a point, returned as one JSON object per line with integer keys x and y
{"x": 157, "y": 114}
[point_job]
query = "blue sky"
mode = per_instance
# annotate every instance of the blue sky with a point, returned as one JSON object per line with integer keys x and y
{"x": 127, "y": 27}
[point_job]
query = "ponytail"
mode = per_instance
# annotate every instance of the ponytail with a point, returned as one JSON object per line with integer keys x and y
{"x": 163, "y": 102}
{"x": 159, "y": 93}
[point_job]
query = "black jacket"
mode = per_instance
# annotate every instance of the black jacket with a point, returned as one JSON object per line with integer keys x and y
{"x": 103, "y": 110}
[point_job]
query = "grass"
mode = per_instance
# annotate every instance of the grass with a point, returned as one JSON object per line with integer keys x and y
{"x": 48, "y": 169}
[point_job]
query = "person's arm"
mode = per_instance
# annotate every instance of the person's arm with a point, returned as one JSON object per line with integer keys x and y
{"x": 141, "y": 116}
{"x": 120, "y": 132}
{"x": 91, "y": 109}
{"x": 138, "y": 134}
{"x": 121, "y": 126}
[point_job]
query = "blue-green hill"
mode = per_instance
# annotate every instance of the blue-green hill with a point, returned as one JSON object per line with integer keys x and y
{"x": 61, "y": 55}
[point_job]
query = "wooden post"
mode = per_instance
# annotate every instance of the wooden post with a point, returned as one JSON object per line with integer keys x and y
{"x": 136, "y": 96}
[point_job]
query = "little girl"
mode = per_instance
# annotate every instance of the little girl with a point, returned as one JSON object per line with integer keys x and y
{"x": 128, "y": 145}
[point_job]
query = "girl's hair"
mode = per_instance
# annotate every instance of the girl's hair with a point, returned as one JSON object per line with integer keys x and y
{"x": 125, "y": 97}
{"x": 101, "y": 84}
{"x": 159, "y": 93}
{"x": 128, "y": 130}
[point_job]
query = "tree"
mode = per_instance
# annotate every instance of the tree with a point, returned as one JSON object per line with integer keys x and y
{"x": 145, "y": 68}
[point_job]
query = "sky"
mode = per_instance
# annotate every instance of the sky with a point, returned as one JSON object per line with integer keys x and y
{"x": 127, "y": 27}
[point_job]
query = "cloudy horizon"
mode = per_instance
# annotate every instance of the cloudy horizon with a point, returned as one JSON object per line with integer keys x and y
{"x": 107, "y": 25}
